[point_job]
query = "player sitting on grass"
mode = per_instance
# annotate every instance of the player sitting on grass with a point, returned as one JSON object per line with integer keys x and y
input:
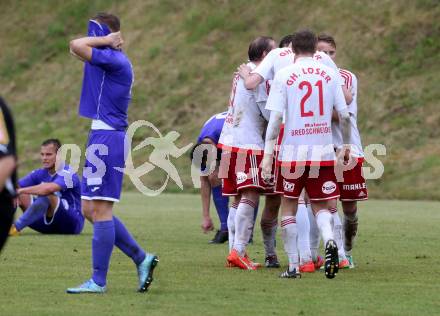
{"x": 354, "y": 187}
{"x": 306, "y": 92}
{"x": 106, "y": 95}
{"x": 242, "y": 143}
{"x": 56, "y": 208}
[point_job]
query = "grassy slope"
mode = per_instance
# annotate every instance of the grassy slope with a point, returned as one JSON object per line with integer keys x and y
{"x": 185, "y": 51}
{"x": 397, "y": 271}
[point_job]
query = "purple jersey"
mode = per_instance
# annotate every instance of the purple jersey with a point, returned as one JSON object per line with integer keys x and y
{"x": 213, "y": 128}
{"x": 72, "y": 195}
{"x": 107, "y": 82}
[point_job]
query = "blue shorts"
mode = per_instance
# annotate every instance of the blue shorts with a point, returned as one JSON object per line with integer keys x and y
{"x": 105, "y": 181}
{"x": 65, "y": 221}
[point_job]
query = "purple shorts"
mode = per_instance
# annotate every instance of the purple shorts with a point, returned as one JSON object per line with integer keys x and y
{"x": 105, "y": 153}
{"x": 65, "y": 221}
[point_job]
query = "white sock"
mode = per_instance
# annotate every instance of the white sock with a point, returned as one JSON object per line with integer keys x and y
{"x": 269, "y": 232}
{"x": 314, "y": 236}
{"x": 324, "y": 222}
{"x": 231, "y": 224}
{"x": 289, "y": 234}
{"x": 303, "y": 227}
{"x": 244, "y": 224}
{"x": 337, "y": 233}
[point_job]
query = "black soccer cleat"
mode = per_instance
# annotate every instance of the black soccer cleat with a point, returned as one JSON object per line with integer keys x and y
{"x": 331, "y": 265}
{"x": 294, "y": 274}
{"x": 272, "y": 262}
{"x": 220, "y": 237}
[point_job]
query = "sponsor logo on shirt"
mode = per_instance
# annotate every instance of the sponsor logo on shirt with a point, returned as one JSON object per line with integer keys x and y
{"x": 288, "y": 187}
{"x": 241, "y": 177}
{"x": 328, "y": 187}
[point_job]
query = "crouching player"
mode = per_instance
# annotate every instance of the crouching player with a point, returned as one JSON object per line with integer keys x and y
{"x": 242, "y": 143}
{"x": 306, "y": 92}
{"x": 56, "y": 208}
{"x": 210, "y": 182}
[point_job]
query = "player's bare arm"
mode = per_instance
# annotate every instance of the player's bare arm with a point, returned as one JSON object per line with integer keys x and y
{"x": 40, "y": 189}
{"x": 251, "y": 80}
{"x": 82, "y": 47}
{"x": 205, "y": 190}
{"x": 344, "y": 119}
{"x": 347, "y": 95}
{"x": 273, "y": 130}
{"x": 7, "y": 165}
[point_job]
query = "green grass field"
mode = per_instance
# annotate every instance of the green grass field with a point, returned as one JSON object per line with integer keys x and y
{"x": 396, "y": 254}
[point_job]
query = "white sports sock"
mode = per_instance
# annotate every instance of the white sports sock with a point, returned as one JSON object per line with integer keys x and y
{"x": 324, "y": 222}
{"x": 231, "y": 224}
{"x": 244, "y": 224}
{"x": 289, "y": 234}
{"x": 269, "y": 232}
{"x": 303, "y": 227}
{"x": 337, "y": 233}
{"x": 314, "y": 236}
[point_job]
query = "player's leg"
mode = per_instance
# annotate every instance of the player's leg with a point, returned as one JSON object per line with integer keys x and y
{"x": 337, "y": 234}
{"x": 7, "y": 211}
{"x": 221, "y": 204}
{"x": 231, "y": 220}
{"x": 303, "y": 226}
{"x": 350, "y": 227}
{"x": 42, "y": 209}
{"x": 289, "y": 234}
{"x": 269, "y": 225}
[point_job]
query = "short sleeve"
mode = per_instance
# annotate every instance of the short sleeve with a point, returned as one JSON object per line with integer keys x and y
{"x": 29, "y": 180}
{"x": 105, "y": 59}
{"x": 277, "y": 100}
{"x": 265, "y": 69}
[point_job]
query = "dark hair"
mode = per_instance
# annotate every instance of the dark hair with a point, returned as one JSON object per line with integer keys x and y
{"x": 286, "y": 41}
{"x": 304, "y": 42}
{"x": 52, "y": 141}
{"x": 327, "y": 38}
{"x": 112, "y": 21}
{"x": 259, "y": 46}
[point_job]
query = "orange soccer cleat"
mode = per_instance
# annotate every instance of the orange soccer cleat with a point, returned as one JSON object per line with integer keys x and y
{"x": 344, "y": 264}
{"x": 319, "y": 263}
{"x": 255, "y": 264}
{"x": 308, "y": 267}
{"x": 235, "y": 260}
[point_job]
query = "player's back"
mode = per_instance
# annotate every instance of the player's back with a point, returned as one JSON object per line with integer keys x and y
{"x": 311, "y": 90}
{"x": 213, "y": 127}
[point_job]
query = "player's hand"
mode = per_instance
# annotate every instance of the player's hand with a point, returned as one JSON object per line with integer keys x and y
{"x": 207, "y": 225}
{"x": 243, "y": 70}
{"x": 344, "y": 154}
{"x": 115, "y": 40}
{"x": 266, "y": 167}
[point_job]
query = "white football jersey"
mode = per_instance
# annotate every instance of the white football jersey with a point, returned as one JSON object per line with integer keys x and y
{"x": 350, "y": 82}
{"x": 307, "y": 92}
{"x": 245, "y": 123}
{"x": 279, "y": 58}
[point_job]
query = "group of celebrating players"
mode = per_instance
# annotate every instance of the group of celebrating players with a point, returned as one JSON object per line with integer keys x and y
{"x": 290, "y": 134}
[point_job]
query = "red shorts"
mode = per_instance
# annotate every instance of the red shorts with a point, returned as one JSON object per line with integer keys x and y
{"x": 354, "y": 187}
{"x": 242, "y": 171}
{"x": 322, "y": 187}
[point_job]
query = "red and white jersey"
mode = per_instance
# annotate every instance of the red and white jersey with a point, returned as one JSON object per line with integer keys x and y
{"x": 279, "y": 58}
{"x": 245, "y": 123}
{"x": 307, "y": 92}
{"x": 350, "y": 81}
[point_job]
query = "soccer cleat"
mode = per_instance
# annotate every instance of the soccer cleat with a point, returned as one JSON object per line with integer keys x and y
{"x": 351, "y": 262}
{"x": 255, "y": 264}
{"x": 294, "y": 274}
{"x": 344, "y": 264}
{"x": 145, "y": 272}
{"x": 319, "y": 263}
{"x": 238, "y": 261}
{"x": 308, "y": 267}
{"x": 13, "y": 231}
{"x": 272, "y": 262}
{"x": 331, "y": 265}
{"x": 89, "y": 287}
{"x": 220, "y": 237}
